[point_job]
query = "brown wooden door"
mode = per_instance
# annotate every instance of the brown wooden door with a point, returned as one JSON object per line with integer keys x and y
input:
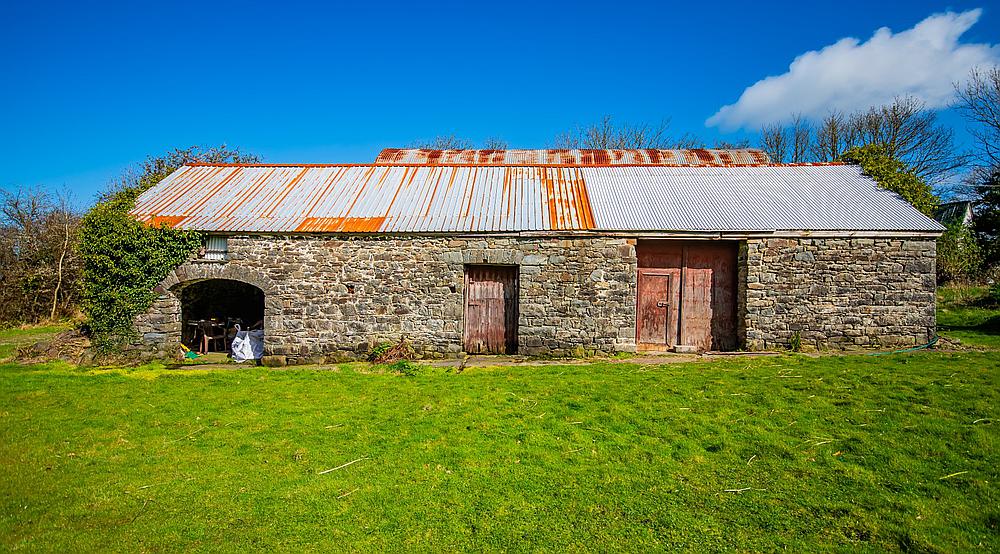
{"x": 491, "y": 309}
{"x": 709, "y": 308}
{"x": 701, "y": 310}
{"x": 656, "y": 308}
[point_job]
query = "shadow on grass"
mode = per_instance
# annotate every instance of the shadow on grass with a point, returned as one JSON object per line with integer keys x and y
{"x": 990, "y": 326}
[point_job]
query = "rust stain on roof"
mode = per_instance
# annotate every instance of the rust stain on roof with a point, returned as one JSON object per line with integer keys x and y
{"x": 341, "y": 225}
{"x": 169, "y": 221}
{"x": 347, "y": 165}
{"x": 572, "y": 157}
{"x": 515, "y": 198}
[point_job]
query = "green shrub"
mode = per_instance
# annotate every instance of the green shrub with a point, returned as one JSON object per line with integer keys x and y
{"x": 387, "y": 352}
{"x": 795, "y": 343}
{"x": 124, "y": 259}
{"x": 378, "y": 351}
{"x": 959, "y": 256}
{"x": 405, "y": 367}
{"x": 892, "y": 174}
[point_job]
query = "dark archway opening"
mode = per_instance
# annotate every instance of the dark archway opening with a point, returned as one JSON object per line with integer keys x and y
{"x": 213, "y": 308}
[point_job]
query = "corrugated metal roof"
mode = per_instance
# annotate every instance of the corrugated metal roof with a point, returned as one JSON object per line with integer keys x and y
{"x": 776, "y": 197}
{"x": 470, "y": 199}
{"x": 575, "y": 157}
{"x": 368, "y": 199}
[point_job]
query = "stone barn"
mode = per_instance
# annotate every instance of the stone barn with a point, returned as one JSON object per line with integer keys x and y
{"x": 545, "y": 252}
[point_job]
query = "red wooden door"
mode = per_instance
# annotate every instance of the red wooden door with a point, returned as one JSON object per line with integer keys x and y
{"x": 709, "y": 307}
{"x": 656, "y": 309}
{"x": 701, "y": 306}
{"x": 491, "y": 309}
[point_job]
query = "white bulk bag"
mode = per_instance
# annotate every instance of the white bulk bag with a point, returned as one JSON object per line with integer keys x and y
{"x": 248, "y": 345}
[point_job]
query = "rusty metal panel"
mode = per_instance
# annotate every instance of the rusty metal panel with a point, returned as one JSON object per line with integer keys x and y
{"x": 491, "y": 294}
{"x": 573, "y": 157}
{"x": 516, "y": 198}
{"x": 369, "y": 199}
{"x": 699, "y": 306}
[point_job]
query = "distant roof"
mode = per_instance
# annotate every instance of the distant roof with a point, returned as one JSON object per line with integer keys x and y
{"x": 954, "y": 212}
{"x": 471, "y": 199}
{"x": 575, "y": 157}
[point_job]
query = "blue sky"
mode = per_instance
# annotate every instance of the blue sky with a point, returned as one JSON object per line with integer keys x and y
{"x": 91, "y": 87}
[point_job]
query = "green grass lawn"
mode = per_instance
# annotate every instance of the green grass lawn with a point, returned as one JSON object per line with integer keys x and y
{"x": 965, "y": 313}
{"x": 893, "y": 452}
{"x": 896, "y": 452}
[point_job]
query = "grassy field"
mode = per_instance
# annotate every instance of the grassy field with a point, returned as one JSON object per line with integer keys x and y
{"x": 12, "y": 339}
{"x": 966, "y": 314}
{"x": 895, "y": 452}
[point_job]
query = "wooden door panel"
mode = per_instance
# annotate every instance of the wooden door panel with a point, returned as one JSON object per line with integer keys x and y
{"x": 491, "y": 309}
{"x": 723, "y": 330}
{"x": 697, "y": 306}
{"x": 702, "y": 311}
{"x": 657, "y": 307}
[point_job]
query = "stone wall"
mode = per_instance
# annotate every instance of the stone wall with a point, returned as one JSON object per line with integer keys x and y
{"x": 837, "y": 293}
{"x": 328, "y": 297}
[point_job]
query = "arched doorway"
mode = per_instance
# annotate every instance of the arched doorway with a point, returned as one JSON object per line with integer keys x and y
{"x": 214, "y": 306}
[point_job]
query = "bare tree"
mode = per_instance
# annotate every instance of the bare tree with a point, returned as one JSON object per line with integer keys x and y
{"x": 834, "y": 136}
{"x": 608, "y": 134}
{"x": 979, "y": 102}
{"x": 729, "y": 144}
{"x": 910, "y": 133}
{"x": 455, "y": 142}
{"x": 24, "y": 211}
{"x": 905, "y": 128}
{"x": 801, "y": 133}
{"x": 687, "y": 141}
{"x": 494, "y": 143}
{"x": 792, "y": 142}
{"x": 443, "y": 142}
{"x": 774, "y": 142}
{"x": 67, "y": 221}
{"x": 38, "y": 265}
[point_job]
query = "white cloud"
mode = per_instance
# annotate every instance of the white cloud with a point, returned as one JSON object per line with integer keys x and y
{"x": 849, "y": 74}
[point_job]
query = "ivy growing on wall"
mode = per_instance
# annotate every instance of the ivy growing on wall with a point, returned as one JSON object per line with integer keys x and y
{"x": 894, "y": 175}
{"x": 124, "y": 259}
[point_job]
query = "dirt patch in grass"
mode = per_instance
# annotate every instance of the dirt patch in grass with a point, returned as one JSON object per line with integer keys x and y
{"x": 15, "y": 338}
{"x": 68, "y": 345}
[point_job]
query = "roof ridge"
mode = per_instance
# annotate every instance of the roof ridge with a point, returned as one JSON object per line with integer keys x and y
{"x": 388, "y": 164}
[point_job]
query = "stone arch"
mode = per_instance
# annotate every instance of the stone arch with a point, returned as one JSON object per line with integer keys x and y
{"x": 162, "y": 323}
{"x": 193, "y": 272}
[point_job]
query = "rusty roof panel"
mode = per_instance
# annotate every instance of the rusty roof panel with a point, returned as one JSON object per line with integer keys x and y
{"x": 479, "y": 199}
{"x": 368, "y": 199}
{"x": 573, "y": 157}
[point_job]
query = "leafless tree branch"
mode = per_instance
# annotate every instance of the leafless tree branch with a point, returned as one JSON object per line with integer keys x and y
{"x": 979, "y": 103}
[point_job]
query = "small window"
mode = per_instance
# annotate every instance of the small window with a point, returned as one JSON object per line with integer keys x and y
{"x": 216, "y": 248}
